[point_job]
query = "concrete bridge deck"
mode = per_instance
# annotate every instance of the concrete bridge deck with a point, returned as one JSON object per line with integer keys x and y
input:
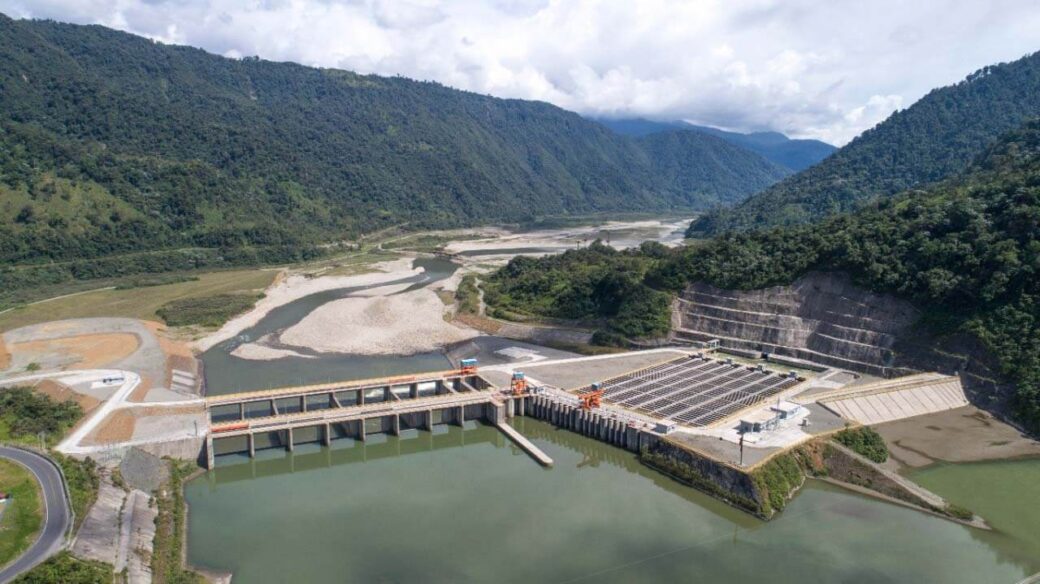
{"x": 328, "y": 396}
{"x": 283, "y": 417}
{"x": 335, "y": 386}
{"x": 350, "y": 413}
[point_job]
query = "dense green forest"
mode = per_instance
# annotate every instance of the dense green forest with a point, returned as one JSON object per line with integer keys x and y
{"x": 597, "y": 284}
{"x": 115, "y": 144}
{"x": 966, "y": 251}
{"x": 932, "y": 139}
{"x": 773, "y": 146}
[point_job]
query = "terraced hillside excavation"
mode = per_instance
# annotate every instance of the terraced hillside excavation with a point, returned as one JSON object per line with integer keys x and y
{"x": 821, "y": 318}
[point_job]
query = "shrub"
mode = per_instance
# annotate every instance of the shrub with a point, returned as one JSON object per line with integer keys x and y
{"x": 864, "y": 441}
{"x": 27, "y": 413}
{"x": 67, "y": 569}
{"x": 82, "y": 478}
{"x": 955, "y": 510}
{"x": 210, "y": 311}
{"x": 468, "y": 296}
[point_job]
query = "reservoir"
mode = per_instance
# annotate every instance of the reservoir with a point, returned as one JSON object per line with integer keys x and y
{"x": 465, "y": 505}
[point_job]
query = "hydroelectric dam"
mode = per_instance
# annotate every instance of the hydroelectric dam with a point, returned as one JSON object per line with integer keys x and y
{"x": 282, "y": 418}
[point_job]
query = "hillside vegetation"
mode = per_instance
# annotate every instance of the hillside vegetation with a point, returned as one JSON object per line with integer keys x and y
{"x": 597, "y": 285}
{"x": 25, "y": 415}
{"x": 933, "y": 139}
{"x": 113, "y": 145}
{"x": 967, "y": 252}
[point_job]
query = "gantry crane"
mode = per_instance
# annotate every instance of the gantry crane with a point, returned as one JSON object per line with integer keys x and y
{"x": 590, "y": 399}
{"x": 468, "y": 367}
{"x": 519, "y": 383}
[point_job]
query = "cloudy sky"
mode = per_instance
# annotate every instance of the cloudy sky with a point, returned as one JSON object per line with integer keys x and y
{"x": 825, "y": 69}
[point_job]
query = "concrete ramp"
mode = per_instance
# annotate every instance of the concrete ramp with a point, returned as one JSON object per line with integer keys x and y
{"x": 896, "y": 399}
{"x": 525, "y": 444}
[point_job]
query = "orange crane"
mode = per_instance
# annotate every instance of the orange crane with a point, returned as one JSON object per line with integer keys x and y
{"x": 519, "y": 383}
{"x": 590, "y": 400}
{"x": 468, "y": 367}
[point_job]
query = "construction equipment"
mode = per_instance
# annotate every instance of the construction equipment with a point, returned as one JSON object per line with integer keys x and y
{"x": 591, "y": 399}
{"x": 519, "y": 383}
{"x": 468, "y": 367}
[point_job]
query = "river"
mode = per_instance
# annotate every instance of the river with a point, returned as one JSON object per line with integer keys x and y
{"x": 466, "y": 506}
{"x": 226, "y": 373}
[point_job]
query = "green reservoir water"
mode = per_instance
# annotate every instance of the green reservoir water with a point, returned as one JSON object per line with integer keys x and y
{"x": 465, "y": 505}
{"x": 1006, "y": 493}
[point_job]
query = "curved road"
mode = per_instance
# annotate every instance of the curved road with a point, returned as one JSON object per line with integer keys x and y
{"x": 57, "y": 516}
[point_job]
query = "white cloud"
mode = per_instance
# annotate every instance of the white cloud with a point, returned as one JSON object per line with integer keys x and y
{"x": 814, "y": 68}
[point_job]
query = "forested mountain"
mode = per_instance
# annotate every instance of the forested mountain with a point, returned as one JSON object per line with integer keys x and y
{"x": 965, "y": 251}
{"x": 791, "y": 154}
{"x": 111, "y": 143}
{"x": 932, "y": 139}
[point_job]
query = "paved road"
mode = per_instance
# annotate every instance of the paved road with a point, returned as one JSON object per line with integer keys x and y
{"x": 57, "y": 515}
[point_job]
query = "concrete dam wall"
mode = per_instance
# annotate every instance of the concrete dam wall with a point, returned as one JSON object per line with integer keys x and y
{"x": 822, "y": 318}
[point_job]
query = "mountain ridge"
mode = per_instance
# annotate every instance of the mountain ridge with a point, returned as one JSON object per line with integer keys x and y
{"x": 791, "y": 153}
{"x": 105, "y": 135}
{"x": 933, "y": 139}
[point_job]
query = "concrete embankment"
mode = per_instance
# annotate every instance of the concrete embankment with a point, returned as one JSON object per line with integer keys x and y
{"x": 837, "y": 464}
{"x": 762, "y": 489}
{"x": 735, "y": 486}
{"x": 726, "y": 483}
{"x": 591, "y": 423}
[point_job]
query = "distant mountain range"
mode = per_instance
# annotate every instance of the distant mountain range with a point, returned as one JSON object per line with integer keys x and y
{"x": 932, "y": 139}
{"x": 111, "y": 143}
{"x": 791, "y": 154}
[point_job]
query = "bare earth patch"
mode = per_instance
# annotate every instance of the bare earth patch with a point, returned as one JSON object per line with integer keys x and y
{"x": 60, "y": 392}
{"x": 141, "y": 391}
{"x": 962, "y": 435}
{"x": 5, "y": 357}
{"x": 85, "y": 351}
{"x": 120, "y": 425}
{"x": 179, "y": 355}
{"x": 481, "y": 323}
{"x": 401, "y": 324}
{"x": 117, "y": 427}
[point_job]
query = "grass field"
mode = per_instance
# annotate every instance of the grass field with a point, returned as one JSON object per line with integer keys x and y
{"x": 22, "y": 515}
{"x": 137, "y": 302}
